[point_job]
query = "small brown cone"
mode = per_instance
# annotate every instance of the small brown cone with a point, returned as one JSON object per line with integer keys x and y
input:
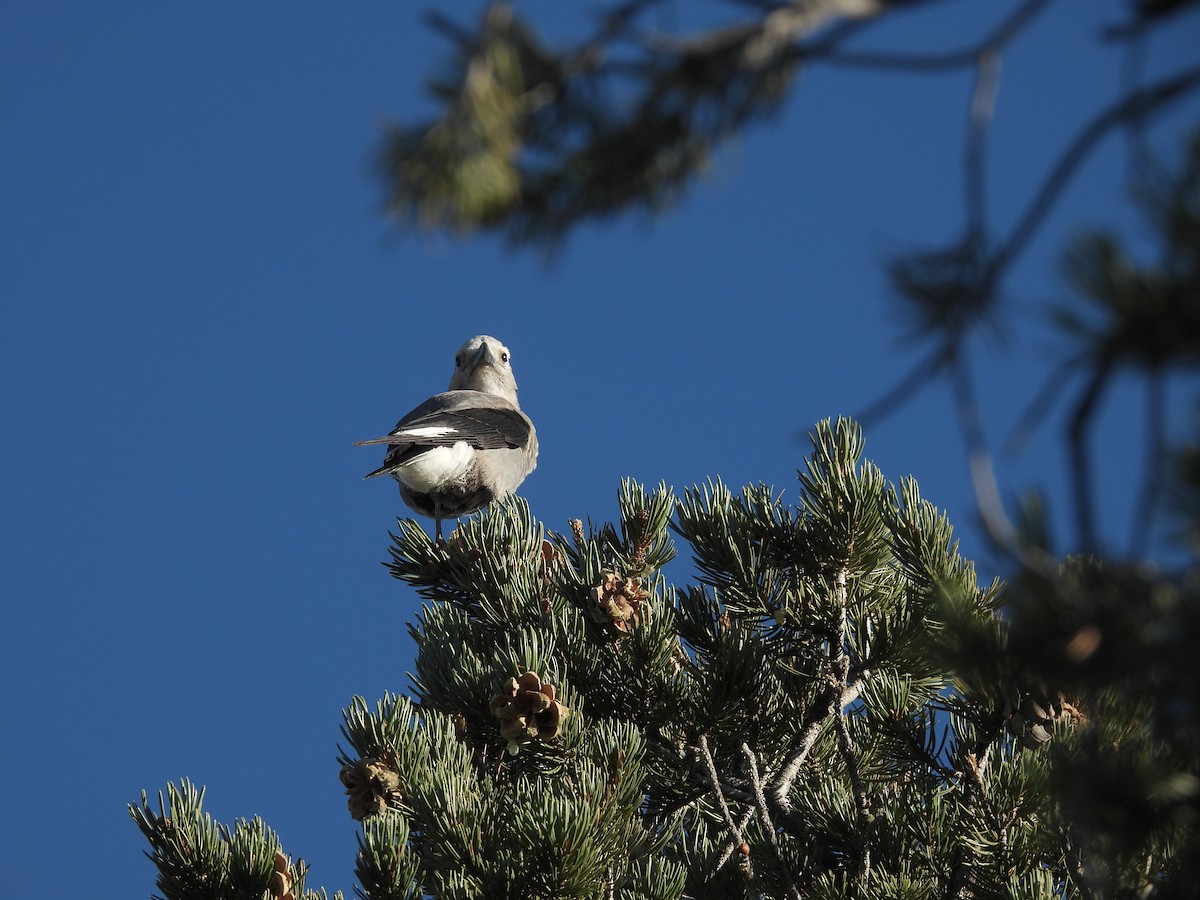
{"x": 527, "y": 709}
{"x": 372, "y": 786}
{"x": 618, "y": 601}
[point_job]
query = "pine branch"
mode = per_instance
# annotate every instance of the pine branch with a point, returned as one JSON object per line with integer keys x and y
{"x": 200, "y": 859}
{"x": 1136, "y": 106}
{"x": 768, "y": 825}
{"x": 833, "y": 701}
{"x": 1004, "y": 33}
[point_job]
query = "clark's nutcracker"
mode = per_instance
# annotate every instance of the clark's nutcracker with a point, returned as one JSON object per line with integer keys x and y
{"x": 460, "y": 450}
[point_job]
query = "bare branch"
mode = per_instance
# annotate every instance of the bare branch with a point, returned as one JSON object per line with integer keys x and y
{"x": 983, "y": 105}
{"x": 994, "y": 42}
{"x": 1038, "y": 408}
{"x": 983, "y": 476}
{"x": 1156, "y": 450}
{"x": 907, "y": 387}
{"x": 1081, "y": 466}
{"x": 770, "y": 35}
{"x": 862, "y": 802}
{"x": 803, "y": 742}
{"x": 733, "y": 842}
{"x": 765, "y": 818}
{"x": 716, "y": 786}
{"x": 1133, "y": 107}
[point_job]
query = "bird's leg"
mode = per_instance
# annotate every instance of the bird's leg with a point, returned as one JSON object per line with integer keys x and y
{"x": 437, "y": 520}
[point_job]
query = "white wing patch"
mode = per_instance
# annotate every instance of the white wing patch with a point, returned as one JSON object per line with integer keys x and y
{"x": 426, "y": 431}
{"x": 436, "y": 467}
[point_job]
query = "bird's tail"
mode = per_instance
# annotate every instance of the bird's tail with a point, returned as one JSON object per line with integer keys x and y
{"x": 386, "y": 439}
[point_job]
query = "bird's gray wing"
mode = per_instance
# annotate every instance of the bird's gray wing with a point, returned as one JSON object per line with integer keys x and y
{"x": 481, "y": 420}
{"x": 483, "y": 429}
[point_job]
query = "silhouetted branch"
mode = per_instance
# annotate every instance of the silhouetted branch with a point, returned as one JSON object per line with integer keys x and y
{"x": 1156, "y": 459}
{"x": 995, "y": 41}
{"x": 983, "y": 476}
{"x": 458, "y": 35}
{"x": 1038, "y": 408}
{"x": 907, "y": 387}
{"x": 1146, "y": 14}
{"x": 1131, "y": 108}
{"x": 983, "y": 105}
{"x": 1081, "y": 468}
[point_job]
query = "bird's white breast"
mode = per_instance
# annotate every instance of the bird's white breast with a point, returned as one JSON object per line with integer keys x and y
{"x": 436, "y": 467}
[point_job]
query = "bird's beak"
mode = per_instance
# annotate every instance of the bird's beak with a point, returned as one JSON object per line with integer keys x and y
{"x": 484, "y": 353}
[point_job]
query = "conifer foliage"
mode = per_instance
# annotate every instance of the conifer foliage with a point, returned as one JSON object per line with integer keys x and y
{"x": 199, "y": 859}
{"x": 826, "y": 711}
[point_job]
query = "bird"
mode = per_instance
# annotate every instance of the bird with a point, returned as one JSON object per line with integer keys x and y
{"x": 461, "y": 449}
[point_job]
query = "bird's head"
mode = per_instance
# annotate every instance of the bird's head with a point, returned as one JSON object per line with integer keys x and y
{"x": 482, "y": 364}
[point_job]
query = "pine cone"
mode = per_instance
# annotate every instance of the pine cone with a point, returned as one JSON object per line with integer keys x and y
{"x": 1062, "y": 709}
{"x": 1032, "y": 722}
{"x": 281, "y": 878}
{"x": 461, "y": 728}
{"x": 527, "y": 710}
{"x": 618, "y": 600}
{"x": 372, "y": 786}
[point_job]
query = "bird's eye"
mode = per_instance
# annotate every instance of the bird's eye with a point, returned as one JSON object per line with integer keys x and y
{"x": 504, "y": 356}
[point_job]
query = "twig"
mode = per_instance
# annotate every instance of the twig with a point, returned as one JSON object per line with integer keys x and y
{"x": 1134, "y": 107}
{"x": 983, "y": 106}
{"x": 1074, "y": 861}
{"x": 716, "y": 786}
{"x": 619, "y": 18}
{"x": 983, "y": 477}
{"x": 807, "y": 737}
{"x": 763, "y": 6}
{"x": 995, "y": 41}
{"x": 765, "y": 817}
{"x": 907, "y": 387}
{"x": 703, "y": 784}
{"x": 961, "y": 879}
{"x": 1038, "y": 408}
{"x": 737, "y": 829}
{"x": 1156, "y": 428}
{"x": 928, "y": 758}
{"x": 663, "y": 813}
{"x": 1133, "y": 68}
{"x": 840, "y": 659}
{"x": 1081, "y": 465}
{"x": 772, "y": 36}
{"x": 796, "y": 756}
{"x": 860, "y": 792}
{"x": 734, "y": 842}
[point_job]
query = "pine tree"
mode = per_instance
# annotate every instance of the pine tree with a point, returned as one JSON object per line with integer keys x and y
{"x": 827, "y": 703}
{"x": 832, "y": 709}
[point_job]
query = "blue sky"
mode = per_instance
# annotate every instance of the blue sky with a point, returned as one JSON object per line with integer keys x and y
{"x": 203, "y": 308}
